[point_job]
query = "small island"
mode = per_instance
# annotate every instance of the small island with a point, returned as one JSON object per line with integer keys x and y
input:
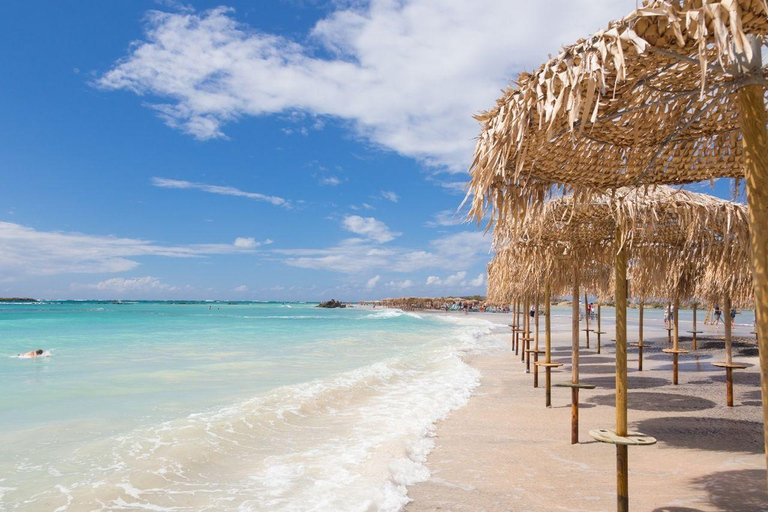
{"x": 16, "y": 299}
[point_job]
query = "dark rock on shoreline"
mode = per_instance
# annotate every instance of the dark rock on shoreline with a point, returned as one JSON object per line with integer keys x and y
{"x": 333, "y": 303}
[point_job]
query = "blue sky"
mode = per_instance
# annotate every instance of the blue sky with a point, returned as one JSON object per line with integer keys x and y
{"x": 287, "y": 150}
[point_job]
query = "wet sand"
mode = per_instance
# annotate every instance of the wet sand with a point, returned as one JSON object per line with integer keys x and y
{"x": 506, "y": 451}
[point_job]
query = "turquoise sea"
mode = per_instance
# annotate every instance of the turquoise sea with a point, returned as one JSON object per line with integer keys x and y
{"x": 223, "y": 406}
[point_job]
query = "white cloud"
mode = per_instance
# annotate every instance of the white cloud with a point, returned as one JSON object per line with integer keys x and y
{"x": 478, "y": 281}
{"x": 459, "y": 279}
{"x": 434, "y": 281}
{"x": 240, "y": 289}
{"x": 444, "y": 218}
{"x": 399, "y": 285}
{"x": 24, "y": 250}
{"x": 450, "y": 253}
{"x": 372, "y": 282}
{"x": 408, "y": 74}
{"x": 331, "y": 181}
{"x": 122, "y": 285}
{"x": 390, "y": 196}
{"x": 369, "y": 228}
{"x": 455, "y": 279}
{"x": 221, "y": 190}
{"x": 250, "y": 243}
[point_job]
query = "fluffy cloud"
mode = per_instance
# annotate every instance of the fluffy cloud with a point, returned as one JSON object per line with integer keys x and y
{"x": 450, "y": 253}
{"x": 372, "y": 282}
{"x": 122, "y": 285}
{"x": 459, "y": 279}
{"x": 399, "y": 285}
{"x": 478, "y": 281}
{"x": 407, "y": 74}
{"x": 369, "y": 228}
{"x": 240, "y": 289}
{"x": 221, "y": 190}
{"x": 24, "y": 250}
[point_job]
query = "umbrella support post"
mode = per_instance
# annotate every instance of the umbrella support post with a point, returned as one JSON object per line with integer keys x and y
{"x": 548, "y": 385}
{"x": 752, "y": 119}
{"x": 575, "y": 416}
{"x": 586, "y": 317}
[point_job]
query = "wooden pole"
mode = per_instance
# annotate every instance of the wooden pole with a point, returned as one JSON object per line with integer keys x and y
{"x": 752, "y": 119}
{"x": 536, "y": 342}
{"x": 575, "y": 354}
{"x": 640, "y": 336}
{"x": 517, "y": 327}
{"x": 668, "y": 327}
{"x": 599, "y": 330}
{"x": 695, "y": 347}
{"x": 728, "y": 350}
{"x": 548, "y": 342}
{"x": 676, "y": 325}
{"x": 622, "y": 455}
{"x": 586, "y": 317}
{"x": 526, "y": 334}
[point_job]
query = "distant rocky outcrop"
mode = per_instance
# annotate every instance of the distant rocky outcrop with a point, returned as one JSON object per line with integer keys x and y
{"x": 333, "y": 303}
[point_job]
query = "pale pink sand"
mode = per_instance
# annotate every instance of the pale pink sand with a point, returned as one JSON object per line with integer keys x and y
{"x": 506, "y": 451}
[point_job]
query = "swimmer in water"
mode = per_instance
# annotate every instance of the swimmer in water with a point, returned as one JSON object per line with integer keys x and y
{"x": 32, "y": 353}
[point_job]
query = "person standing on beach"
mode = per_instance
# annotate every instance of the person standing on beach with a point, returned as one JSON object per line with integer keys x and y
{"x": 666, "y": 317}
{"x": 734, "y": 312}
{"x": 718, "y": 314}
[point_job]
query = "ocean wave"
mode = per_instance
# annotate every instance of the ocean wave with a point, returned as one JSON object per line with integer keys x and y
{"x": 351, "y": 442}
{"x": 390, "y": 313}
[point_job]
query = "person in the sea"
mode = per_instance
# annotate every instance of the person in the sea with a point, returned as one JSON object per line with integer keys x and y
{"x": 33, "y": 353}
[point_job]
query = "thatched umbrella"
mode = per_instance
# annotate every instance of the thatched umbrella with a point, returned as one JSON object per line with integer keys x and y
{"x": 664, "y": 227}
{"x": 673, "y": 93}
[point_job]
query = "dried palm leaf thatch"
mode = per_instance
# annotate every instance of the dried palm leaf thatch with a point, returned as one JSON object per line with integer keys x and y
{"x": 682, "y": 243}
{"x": 651, "y": 99}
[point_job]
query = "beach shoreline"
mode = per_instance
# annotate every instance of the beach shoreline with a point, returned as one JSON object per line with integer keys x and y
{"x": 505, "y": 450}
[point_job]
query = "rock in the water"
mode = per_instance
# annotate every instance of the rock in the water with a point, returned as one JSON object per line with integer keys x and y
{"x": 333, "y": 303}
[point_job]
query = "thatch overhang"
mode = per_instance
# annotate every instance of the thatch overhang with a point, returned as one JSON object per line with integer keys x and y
{"x": 648, "y": 100}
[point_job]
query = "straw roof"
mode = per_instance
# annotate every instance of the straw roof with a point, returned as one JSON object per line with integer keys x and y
{"x": 648, "y": 100}
{"x": 682, "y": 243}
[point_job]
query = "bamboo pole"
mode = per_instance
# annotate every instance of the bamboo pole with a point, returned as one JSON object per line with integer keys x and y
{"x": 752, "y": 119}
{"x": 536, "y": 342}
{"x": 622, "y": 455}
{"x": 548, "y": 342}
{"x": 575, "y": 355}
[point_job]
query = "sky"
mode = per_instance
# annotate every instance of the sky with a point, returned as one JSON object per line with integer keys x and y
{"x": 255, "y": 150}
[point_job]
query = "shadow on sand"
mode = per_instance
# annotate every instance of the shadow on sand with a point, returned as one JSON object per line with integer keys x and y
{"x": 711, "y": 434}
{"x": 742, "y": 489}
{"x": 632, "y": 382}
{"x": 666, "y": 402}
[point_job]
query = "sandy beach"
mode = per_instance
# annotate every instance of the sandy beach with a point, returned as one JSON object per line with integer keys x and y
{"x": 506, "y": 451}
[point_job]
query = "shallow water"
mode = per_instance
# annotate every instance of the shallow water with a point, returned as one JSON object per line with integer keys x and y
{"x": 160, "y": 406}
